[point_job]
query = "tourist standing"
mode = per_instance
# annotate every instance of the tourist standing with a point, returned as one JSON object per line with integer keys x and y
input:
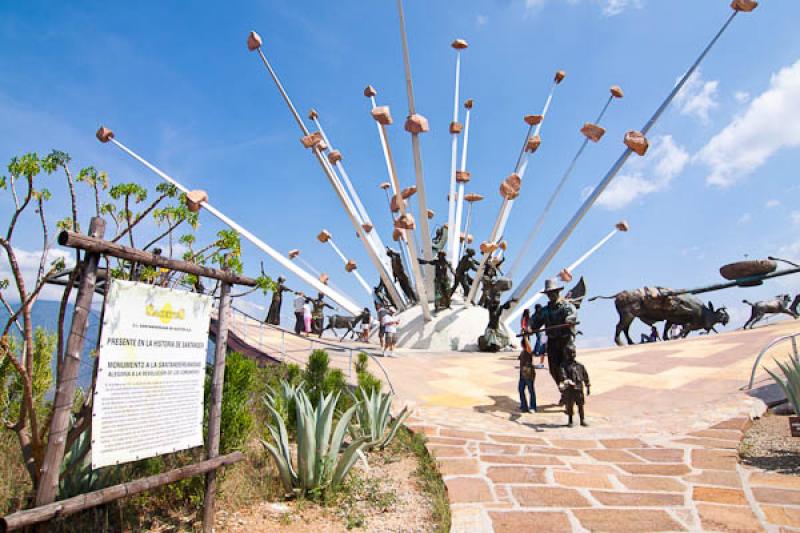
{"x": 527, "y": 376}
{"x": 382, "y": 311}
{"x": 298, "y": 303}
{"x": 390, "y": 324}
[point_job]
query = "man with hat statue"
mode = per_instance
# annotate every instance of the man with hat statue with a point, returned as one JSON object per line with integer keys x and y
{"x": 559, "y": 318}
{"x": 274, "y": 314}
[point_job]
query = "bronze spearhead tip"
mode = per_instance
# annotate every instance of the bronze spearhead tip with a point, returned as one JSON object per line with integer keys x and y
{"x": 323, "y": 236}
{"x": 636, "y": 141}
{"x": 293, "y": 253}
{"x": 616, "y": 91}
{"x": 622, "y": 225}
{"x": 560, "y": 75}
{"x": 104, "y": 134}
{"x": 416, "y": 124}
{"x": 350, "y": 266}
{"x": 408, "y": 192}
{"x": 324, "y": 278}
{"x": 385, "y": 185}
{"x": 312, "y": 115}
{"x": 533, "y": 120}
{"x": 194, "y": 200}
{"x": 459, "y": 44}
{"x": 431, "y": 214}
{"x": 744, "y": 5}
{"x": 369, "y": 91}
{"x": 473, "y": 197}
{"x": 593, "y": 132}
{"x": 565, "y": 275}
{"x": 468, "y": 104}
{"x": 253, "y": 41}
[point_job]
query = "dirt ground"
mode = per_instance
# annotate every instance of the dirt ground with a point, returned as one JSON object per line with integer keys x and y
{"x": 386, "y": 498}
{"x": 768, "y": 444}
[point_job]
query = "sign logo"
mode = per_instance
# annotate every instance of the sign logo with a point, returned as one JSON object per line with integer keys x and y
{"x": 166, "y": 314}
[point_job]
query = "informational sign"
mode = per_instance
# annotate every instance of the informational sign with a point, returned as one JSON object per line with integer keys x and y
{"x": 149, "y": 393}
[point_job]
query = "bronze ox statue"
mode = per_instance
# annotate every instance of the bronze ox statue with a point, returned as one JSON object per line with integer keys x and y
{"x": 778, "y": 305}
{"x": 656, "y": 304}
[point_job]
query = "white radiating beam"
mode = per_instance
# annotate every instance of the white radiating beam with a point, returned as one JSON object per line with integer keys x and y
{"x": 427, "y": 249}
{"x": 337, "y": 186}
{"x": 333, "y": 294}
{"x": 543, "y": 215}
{"x": 571, "y": 268}
{"x": 559, "y": 241}
{"x": 457, "y": 245}
{"x": 505, "y": 208}
{"x": 354, "y": 272}
{"x": 452, "y": 228}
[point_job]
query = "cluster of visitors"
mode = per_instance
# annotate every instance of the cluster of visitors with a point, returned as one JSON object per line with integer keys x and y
{"x": 309, "y": 314}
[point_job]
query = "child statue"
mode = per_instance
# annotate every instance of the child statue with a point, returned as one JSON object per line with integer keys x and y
{"x": 573, "y": 377}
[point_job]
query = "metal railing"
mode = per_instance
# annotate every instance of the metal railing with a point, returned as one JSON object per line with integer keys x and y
{"x": 793, "y": 338}
{"x": 341, "y": 355}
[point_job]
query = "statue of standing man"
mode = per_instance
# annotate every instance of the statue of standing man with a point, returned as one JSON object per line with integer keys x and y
{"x": 559, "y": 317}
{"x": 400, "y": 275}
{"x": 441, "y": 280}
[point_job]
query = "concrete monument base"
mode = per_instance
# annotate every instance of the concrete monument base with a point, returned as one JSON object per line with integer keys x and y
{"x": 455, "y": 329}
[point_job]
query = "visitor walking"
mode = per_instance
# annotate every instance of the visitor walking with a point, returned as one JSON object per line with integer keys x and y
{"x": 390, "y": 324}
{"x": 382, "y": 311}
{"x": 527, "y": 375}
{"x": 366, "y": 321}
{"x": 298, "y": 303}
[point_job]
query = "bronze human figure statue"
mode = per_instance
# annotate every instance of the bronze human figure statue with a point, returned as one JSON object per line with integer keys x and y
{"x": 274, "y": 314}
{"x": 494, "y": 338}
{"x": 462, "y": 277}
{"x": 573, "y": 376}
{"x": 400, "y": 275}
{"x": 559, "y": 317}
{"x": 491, "y": 273}
{"x": 380, "y": 295}
{"x": 318, "y": 314}
{"x": 439, "y": 240}
{"x": 441, "y": 280}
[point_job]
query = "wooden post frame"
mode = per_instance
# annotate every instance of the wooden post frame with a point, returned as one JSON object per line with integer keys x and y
{"x": 65, "y": 391}
{"x": 46, "y": 507}
{"x": 215, "y": 408}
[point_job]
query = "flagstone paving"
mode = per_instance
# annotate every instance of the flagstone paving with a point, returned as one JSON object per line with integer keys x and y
{"x": 660, "y": 453}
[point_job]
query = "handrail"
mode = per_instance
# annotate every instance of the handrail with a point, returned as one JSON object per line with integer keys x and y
{"x": 772, "y": 343}
{"x": 334, "y": 347}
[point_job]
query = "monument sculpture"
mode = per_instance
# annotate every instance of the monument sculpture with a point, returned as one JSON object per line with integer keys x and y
{"x": 778, "y": 305}
{"x": 274, "y": 313}
{"x": 441, "y": 281}
{"x": 573, "y": 377}
{"x": 466, "y": 264}
{"x": 400, "y": 276}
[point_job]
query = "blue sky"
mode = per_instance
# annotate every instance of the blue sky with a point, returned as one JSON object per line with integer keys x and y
{"x": 178, "y": 85}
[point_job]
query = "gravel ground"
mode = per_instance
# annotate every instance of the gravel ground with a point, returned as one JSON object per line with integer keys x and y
{"x": 768, "y": 444}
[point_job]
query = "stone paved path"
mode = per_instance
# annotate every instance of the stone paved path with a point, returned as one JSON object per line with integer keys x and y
{"x": 660, "y": 455}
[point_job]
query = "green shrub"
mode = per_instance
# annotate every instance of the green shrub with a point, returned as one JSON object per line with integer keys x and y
{"x": 238, "y": 390}
{"x": 373, "y": 419}
{"x": 791, "y": 383}
{"x": 318, "y": 467}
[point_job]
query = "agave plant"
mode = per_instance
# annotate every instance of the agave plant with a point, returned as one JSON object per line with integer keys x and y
{"x": 77, "y": 476}
{"x": 319, "y": 465}
{"x": 374, "y": 421}
{"x": 282, "y": 400}
{"x": 790, "y": 385}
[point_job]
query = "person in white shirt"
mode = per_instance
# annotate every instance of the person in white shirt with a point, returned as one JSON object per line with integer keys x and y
{"x": 307, "y": 313}
{"x": 389, "y": 323}
{"x": 298, "y": 303}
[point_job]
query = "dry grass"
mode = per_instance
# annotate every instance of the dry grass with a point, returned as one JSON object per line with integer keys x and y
{"x": 15, "y": 485}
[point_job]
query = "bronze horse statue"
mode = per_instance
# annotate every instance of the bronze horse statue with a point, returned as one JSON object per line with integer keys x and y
{"x": 778, "y": 305}
{"x": 656, "y": 304}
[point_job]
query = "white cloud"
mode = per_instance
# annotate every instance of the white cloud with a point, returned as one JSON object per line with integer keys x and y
{"x": 654, "y": 173}
{"x": 741, "y": 96}
{"x": 772, "y": 203}
{"x": 610, "y": 8}
{"x": 745, "y": 218}
{"x": 481, "y": 20}
{"x": 770, "y": 123}
{"x": 698, "y": 97}
{"x": 795, "y": 217}
{"x": 28, "y": 262}
{"x": 615, "y": 7}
